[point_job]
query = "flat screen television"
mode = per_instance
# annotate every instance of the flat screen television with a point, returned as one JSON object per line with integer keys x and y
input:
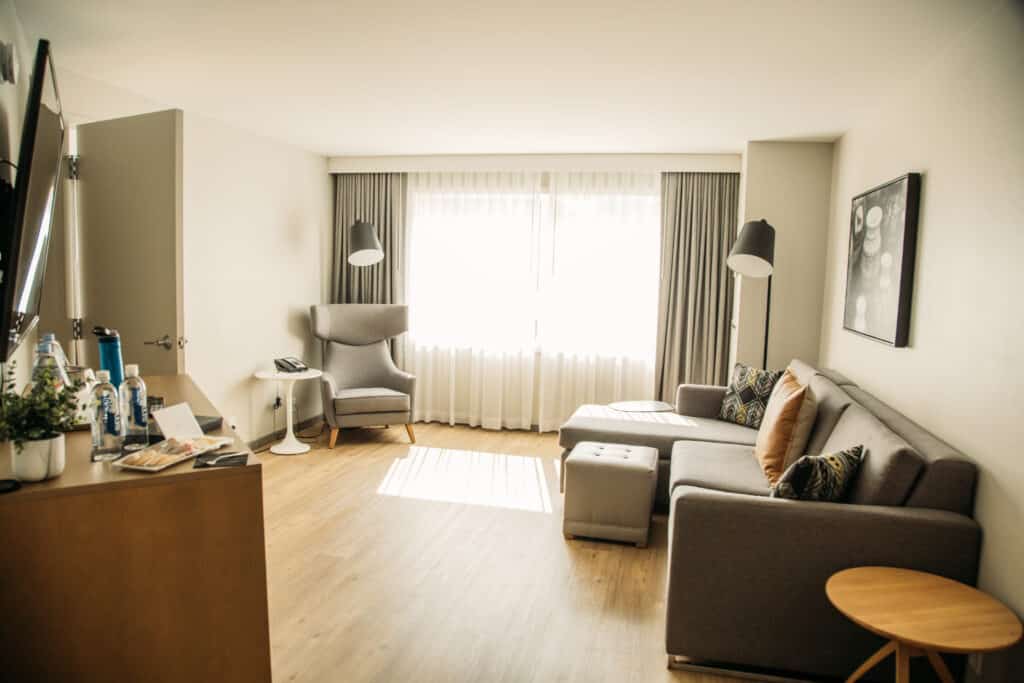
{"x": 28, "y": 211}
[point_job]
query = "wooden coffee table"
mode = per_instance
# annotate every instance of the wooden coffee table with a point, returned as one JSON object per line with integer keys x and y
{"x": 922, "y": 615}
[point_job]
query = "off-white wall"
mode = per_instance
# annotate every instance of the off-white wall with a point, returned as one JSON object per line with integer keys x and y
{"x": 789, "y": 185}
{"x": 961, "y": 125}
{"x": 87, "y": 99}
{"x": 256, "y": 222}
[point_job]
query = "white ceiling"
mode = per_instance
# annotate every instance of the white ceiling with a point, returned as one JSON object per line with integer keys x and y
{"x": 450, "y": 77}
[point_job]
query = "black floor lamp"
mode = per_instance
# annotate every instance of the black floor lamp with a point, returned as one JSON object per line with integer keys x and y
{"x": 364, "y": 245}
{"x": 753, "y": 255}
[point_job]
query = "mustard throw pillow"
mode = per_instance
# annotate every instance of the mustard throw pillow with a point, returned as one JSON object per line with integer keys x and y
{"x": 786, "y": 427}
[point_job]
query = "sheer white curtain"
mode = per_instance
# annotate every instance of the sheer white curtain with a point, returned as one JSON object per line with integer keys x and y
{"x": 472, "y": 295}
{"x": 599, "y": 286}
{"x": 530, "y": 294}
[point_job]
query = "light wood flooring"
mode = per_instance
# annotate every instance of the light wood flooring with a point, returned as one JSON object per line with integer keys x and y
{"x": 403, "y": 585}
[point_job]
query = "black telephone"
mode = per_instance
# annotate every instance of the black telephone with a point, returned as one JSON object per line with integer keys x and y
{"x": 290, "y": 364}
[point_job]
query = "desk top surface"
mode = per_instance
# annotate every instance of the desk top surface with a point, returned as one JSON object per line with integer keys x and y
{"x": 80, "y": 472}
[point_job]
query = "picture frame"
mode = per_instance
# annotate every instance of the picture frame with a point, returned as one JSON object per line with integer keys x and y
{"x": 880, "y": 262}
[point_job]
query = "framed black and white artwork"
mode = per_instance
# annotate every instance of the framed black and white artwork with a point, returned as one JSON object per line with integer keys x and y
{"x": 880, "y": 269}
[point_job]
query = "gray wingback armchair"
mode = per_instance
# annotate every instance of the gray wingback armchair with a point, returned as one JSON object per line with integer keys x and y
{"x": 361, "y": 385}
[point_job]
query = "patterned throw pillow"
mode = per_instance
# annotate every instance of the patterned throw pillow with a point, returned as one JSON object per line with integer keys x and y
{"x": 820, "y": 477}
{"x": 747, "y": 395}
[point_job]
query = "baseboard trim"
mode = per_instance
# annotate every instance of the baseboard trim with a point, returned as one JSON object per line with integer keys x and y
{"x": 261, "y": 441}
{"x": 731, "y": 670}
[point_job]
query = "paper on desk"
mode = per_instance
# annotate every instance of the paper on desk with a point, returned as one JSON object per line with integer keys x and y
{"x": 178, "y": 422}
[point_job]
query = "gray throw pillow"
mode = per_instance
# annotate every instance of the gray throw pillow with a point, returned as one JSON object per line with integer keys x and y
{"x": 747, "y": 395}
{"x": 820, "y": 477}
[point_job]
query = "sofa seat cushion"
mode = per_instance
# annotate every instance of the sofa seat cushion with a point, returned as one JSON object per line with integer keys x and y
{"x": 657, "y": 430}
{"x": 370, "y": 400}
{"x": 723, "y": 467}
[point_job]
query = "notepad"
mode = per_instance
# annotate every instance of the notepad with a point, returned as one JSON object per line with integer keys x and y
{"x": 178, "y": 422}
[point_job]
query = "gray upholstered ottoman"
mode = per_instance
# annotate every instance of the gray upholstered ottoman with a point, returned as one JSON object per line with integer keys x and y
{"x": 609, "y": 491}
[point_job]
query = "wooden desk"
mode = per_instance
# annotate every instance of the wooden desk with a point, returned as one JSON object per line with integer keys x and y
{"x": 922, "y": 614}
{"x": 109, "y": 575}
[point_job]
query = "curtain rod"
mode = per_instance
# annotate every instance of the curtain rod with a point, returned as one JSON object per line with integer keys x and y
{"x": 723, "y": 163}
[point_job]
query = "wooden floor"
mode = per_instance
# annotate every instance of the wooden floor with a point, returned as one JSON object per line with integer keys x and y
{"x": 403, "y": 585}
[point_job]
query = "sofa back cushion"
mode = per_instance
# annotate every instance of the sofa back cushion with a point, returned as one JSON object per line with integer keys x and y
{"x": 839, "y": 378}
{"x": 802, "y": 370}
{"x": 890, "y": 465}
{"x": 949, "y": 478}
{"x": 832, "y": 401}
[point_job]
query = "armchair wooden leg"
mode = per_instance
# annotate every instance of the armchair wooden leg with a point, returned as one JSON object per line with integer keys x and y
{"x": 334, "y": 437}
{"x": 412, "y": 436}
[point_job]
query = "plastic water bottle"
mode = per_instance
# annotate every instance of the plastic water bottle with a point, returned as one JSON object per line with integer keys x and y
{"x": 105, "y": 418}
{"x": 133, "y": 409}
{"x": 57, "y": 350}
{"x": 47, "y": 358}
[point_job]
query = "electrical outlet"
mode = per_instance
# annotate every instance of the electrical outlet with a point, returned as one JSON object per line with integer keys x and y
{"x": 976, "y": 662}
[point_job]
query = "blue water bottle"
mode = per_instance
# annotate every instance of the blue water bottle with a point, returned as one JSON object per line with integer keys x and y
{"x": 110, "y": 353}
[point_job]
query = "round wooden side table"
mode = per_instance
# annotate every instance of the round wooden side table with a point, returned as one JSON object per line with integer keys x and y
{"x": 922, "y": 615}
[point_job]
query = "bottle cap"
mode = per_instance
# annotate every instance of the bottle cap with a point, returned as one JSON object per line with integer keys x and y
{"x": 131, "y": 370}
{"x": 49, "y": 337}
{"x": 103, "y": 375}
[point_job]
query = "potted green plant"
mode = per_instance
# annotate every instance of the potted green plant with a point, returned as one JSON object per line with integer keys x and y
{"x": 34, "y": 423}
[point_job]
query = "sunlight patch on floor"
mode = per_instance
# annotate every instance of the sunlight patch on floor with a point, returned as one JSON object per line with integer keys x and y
{"x": 447, "y": 475}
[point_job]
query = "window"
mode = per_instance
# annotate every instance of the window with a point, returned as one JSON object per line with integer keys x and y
{"x": 508, "y": 269}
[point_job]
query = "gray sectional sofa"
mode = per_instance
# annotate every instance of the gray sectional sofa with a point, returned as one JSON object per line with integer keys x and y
{"x": 747, "y": 572}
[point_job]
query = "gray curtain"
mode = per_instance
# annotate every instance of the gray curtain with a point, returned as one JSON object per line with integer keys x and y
{"x": 377, "y": 198}
{"x": 699, "y": 214}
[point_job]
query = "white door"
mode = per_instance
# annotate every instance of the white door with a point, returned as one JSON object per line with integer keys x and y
{"x": 130, "y": 208}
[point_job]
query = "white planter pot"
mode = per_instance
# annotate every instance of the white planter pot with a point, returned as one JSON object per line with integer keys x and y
{"x": 38, "y": 460}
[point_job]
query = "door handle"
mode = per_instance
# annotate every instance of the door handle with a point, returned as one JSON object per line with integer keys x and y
{"x": 165, "y": 342}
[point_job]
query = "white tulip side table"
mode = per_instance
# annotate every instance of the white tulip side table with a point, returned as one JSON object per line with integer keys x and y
{"x": 290, "y": 445}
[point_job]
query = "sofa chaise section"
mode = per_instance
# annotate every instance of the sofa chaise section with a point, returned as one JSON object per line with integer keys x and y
{"x": 699, "y": 422}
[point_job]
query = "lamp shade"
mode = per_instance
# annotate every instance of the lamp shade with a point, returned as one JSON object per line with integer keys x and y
{"x": 753, "y": 254}
{"x": 364, "y": 246}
